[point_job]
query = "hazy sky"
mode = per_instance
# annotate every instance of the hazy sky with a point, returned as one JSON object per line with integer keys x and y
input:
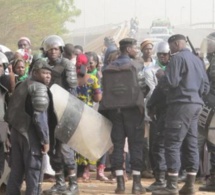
{"x": 99, "y": 12}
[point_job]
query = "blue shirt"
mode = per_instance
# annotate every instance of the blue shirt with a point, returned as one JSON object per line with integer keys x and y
{"x": 186, "y": 78}
{"x": 122, "y": 60}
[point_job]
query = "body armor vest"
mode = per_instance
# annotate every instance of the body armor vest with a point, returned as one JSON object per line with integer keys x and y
{"x": 57, "y": 73}
{"x": 16, "y": 115}
{"x": 3, "y": 92}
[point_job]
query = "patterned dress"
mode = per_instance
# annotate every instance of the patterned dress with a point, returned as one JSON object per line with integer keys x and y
{"x": 85, "y": 94}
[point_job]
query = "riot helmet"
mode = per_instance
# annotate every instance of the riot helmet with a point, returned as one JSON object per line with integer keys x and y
{"x": 3, "y": 60}
{"x": 208, "y": 50}
{"x": 51, "y": 42}
{"x": 208, "y": 47}
{"x": 163, "y": 51}
{"x": 162, "y": 47}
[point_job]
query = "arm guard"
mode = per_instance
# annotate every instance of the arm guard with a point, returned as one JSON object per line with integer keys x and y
{"x": 71, "y": 76}
{"x": 39, "y": 96}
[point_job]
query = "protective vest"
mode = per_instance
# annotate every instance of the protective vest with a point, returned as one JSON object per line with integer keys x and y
{"x": 3, "y": 92}
{"x": 3, "y": 124}
{"x": 16, "y": 115}
{"x": 57, "y": 73}
{"x": 64, "y": 74}
{"x": 121, "y": 87}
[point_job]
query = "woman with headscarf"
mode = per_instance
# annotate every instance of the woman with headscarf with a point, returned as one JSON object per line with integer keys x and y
{"x": 88, "y": 91}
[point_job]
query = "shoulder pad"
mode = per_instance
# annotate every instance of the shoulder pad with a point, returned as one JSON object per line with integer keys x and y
{"x": 39, "y": 96}
{"x": 71, "y": 75}
{"x": 68, "y": 64}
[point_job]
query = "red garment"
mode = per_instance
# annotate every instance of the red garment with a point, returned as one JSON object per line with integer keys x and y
{"x": 81, "y": 60}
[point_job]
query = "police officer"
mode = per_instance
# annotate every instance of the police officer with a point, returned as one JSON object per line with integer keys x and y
{"x": 28, "y": 112}
{"x": 126, "y": 123}
{"x": 3, "y": 102}
{"x": 187, "y": 82}
{"x": 209, "y": 101}
{"x": 61, "y": 155}
{"x": 157, "y": 108}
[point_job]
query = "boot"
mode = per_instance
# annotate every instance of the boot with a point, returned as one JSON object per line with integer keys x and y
{"x": 188, "y": 188}
{"x": 210, "y": 185}
{"x": 147, "y": 175}
{"x": 73, "y": 186}
{"x": 137, "y": 187}
{"x": 171, "y": 187}
{"x": 100, "y": 173}
{"x": 120, "y": 189}
{"x": 182, "y": 176}
{"x": 58, "y": 187}
{"x": 160, "y": 182}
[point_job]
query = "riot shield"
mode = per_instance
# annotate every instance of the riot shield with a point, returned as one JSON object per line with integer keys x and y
{"x": 80, "y": 126}
{"x": 211, "y": 131}
{"x": 206, "y": 121}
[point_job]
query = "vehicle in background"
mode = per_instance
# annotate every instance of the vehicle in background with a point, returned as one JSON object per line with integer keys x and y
{"x": 162, "y": 23}
{"x": 161, "y": 29}
{"x": 159, "y": 33}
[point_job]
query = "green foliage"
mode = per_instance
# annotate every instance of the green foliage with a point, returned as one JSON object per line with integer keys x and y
{"x": 34, "y": 19}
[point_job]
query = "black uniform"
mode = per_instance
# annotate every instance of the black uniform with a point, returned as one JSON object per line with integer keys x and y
{"x": 187, "y": 81}
{"x": 63, "y": 74}
{"x": 3, "y": 125}
{"x": 127, "y": 122}
{"x": 157, "y": 104}
{"x": 28, "y": 115}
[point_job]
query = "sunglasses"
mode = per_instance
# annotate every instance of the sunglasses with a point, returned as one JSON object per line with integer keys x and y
{"x": 164, "y": 54}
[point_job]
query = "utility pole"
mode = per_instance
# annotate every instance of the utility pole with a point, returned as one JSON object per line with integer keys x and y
{"x": 104, "y": 13}
{"x": 213, "y": 14}
{"x": 165, "y": 9}
{"x": 190, "y": 13}
{"x": 84, "y": 22}
{"x": 181, "y": 14}
{"x": 135, "y": 7}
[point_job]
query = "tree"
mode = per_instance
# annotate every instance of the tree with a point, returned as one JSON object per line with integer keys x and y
{"x": 34, "y": 19}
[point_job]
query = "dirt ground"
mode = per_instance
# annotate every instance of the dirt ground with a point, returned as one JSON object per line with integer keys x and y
{"x": 95, "y": 187}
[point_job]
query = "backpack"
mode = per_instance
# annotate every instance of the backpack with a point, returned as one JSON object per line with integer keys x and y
{"x": 120, "y": 87}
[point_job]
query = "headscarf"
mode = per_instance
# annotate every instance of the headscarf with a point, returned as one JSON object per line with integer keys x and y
{"x": 144, "y": 43}
{"x": 23, "y": 77}
{"x": 81, "y": 60}
{"x": 26, "y": 39}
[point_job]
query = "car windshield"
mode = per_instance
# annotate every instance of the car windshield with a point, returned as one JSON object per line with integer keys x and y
{"x": 159, "y": 31}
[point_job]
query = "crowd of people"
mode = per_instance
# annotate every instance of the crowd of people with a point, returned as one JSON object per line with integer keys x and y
{"x": 155, "y": 105}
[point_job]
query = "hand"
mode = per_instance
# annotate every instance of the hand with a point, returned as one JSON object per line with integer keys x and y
{"x": 151, "y": 113}
{"x": 45, "y": 148}
{"x": 8, "y": 145}
{"x": 10, "y": 68}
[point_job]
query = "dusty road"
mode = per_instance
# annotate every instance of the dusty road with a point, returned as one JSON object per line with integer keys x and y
{"x": 101, "y": 188}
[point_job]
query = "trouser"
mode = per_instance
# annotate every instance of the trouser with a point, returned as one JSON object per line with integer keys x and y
{"x": 127, "y": 123}
{"x": 211, "y": 149}
{"x": 2, "y": 158}
{"x": 181, "y": 128}
{"x": 146, "y": 161}
{"x": 24, "y": 162}
{"x": 202, "y": 140}
{"x": 158, "y": 146}
{"x": 152, "y": 136}
{"x": 62, "y": 157}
